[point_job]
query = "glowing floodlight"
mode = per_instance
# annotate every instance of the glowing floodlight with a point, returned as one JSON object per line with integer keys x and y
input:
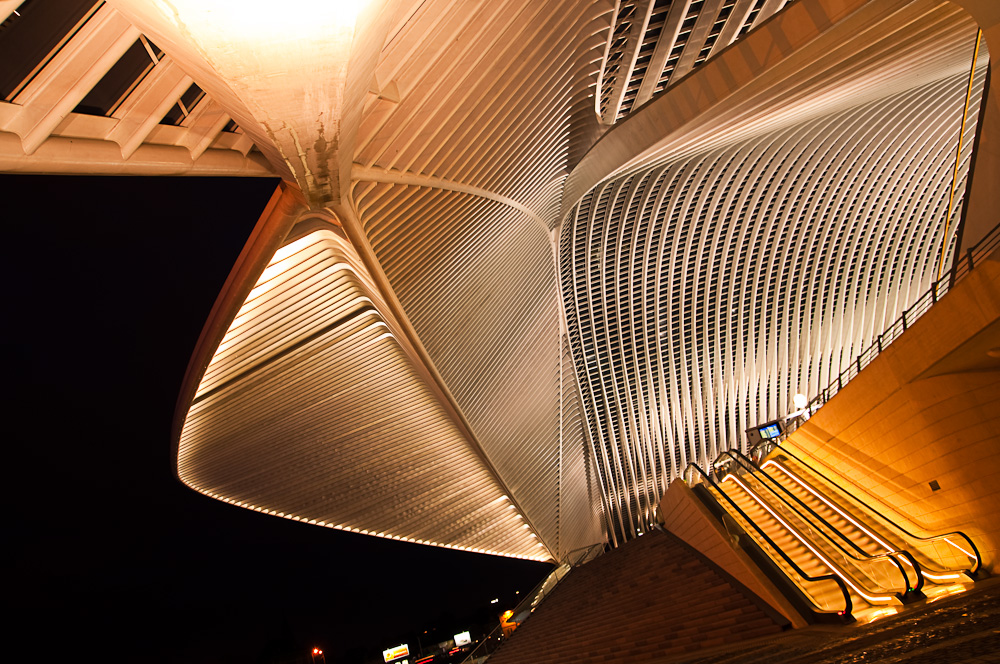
{"x": 266, "y": 21}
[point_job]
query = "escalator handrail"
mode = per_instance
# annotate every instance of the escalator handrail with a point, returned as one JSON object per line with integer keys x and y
{"x": 741, "y": 459}
{"x": 848, "y": 603}
{"x": 905, "y": 553}
{"x": 862, "y": 555}
{"x": 956, "y": 533}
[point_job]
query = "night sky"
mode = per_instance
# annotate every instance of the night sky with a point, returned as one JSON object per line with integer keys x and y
{"x": 108, "y": 282}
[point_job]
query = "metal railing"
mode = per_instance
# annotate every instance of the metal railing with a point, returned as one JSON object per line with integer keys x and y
{"x": 940, "y": 548}
{"x": 962, "y": 267}
{"x": 873, "y": 572}
{"x": 848, "y": 603}
{"x": 495, "y": 639}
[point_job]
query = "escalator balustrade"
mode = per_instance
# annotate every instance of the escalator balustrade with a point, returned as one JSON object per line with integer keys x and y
{"x": 946, "y": 559}
{"x": 836, "y": 549}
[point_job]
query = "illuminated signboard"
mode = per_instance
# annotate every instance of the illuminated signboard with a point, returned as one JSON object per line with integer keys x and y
{"x": 395, "y": 653}
{"x": 766, "y": 431}
{"x": 463, "y": 639}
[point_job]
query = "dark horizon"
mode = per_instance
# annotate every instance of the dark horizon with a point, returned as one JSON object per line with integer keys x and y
{"x": 113, "y": 556}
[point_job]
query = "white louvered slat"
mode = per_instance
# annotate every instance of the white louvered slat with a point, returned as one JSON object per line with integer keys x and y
{"x": 311, "y": 410}
{"x": 770, "y": 263}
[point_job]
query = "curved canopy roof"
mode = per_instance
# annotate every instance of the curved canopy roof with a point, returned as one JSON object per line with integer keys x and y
{"x": 527, "y": 258}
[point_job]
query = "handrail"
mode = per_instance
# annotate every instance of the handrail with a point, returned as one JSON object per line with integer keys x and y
{"x": 848, "y": 604}
{"x": 959, "y": 270}
{"x": 936, "y": 575}
{"x": 574, "y": 558}
{"x": 740, "y": 458}
{"x": 957, "y": 533}
{"x": 768, "y": 443}
{"x": 909, "y": 593}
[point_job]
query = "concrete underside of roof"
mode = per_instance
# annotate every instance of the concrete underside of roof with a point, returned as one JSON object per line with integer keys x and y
{"x": 391, "y": 355}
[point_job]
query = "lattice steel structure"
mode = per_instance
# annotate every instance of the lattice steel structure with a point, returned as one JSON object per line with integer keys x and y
{"x": 652, "y": 42}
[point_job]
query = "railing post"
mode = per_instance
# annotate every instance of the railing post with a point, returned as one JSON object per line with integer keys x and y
{"x": 961, "y": 265}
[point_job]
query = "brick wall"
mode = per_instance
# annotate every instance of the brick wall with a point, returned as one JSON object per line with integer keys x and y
{"x": 647, "y": 600}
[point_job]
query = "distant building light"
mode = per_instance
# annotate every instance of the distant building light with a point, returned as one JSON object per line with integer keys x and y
{"x": 395, "y": 653}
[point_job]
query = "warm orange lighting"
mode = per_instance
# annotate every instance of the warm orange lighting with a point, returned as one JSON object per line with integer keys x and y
{"x": 888, "y": 547}
{"x": 260, "y": 20}
{"x": 795, "y": 533}
{"x": 507, "y": 626}
{"x": 940, "y": 592}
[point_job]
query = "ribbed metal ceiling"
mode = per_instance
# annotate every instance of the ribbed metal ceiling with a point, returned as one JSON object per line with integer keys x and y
{"x": 702, "y": 293}
{"x": 310, "y": 410}
{"x": 476, "y": 371}
{"x": 654, "y": 42}
{"x": 458, "y": 185}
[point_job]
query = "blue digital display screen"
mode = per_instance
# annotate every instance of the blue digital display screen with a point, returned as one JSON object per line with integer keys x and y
{"x": 770, "y": 431}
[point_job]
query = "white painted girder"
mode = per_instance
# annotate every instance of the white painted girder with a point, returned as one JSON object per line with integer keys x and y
{"x": 205, "y": 122}
{"x": 67, "y": 78}
{"x": 66, "y": 155}
{"x": 147, "y": 105}
{"x": 55, "y": 139}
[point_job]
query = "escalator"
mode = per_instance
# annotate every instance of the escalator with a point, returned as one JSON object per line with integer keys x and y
{"x": 812, "y": 588}
{"x": 815, "y": 584}
{"x": 839, "y": 556}
{"x": 949, "y": 561}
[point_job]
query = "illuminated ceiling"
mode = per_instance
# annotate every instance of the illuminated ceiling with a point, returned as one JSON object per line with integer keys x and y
{"x": 391, "y": 355}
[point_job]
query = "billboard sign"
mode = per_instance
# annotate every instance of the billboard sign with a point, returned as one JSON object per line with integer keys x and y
{"x": 392, "y": 654}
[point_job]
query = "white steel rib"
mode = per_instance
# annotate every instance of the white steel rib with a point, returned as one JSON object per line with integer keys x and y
{"x": 310, "y": 410}
{"x": 580, "y": 242}
{"x": 701, "y": 293}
